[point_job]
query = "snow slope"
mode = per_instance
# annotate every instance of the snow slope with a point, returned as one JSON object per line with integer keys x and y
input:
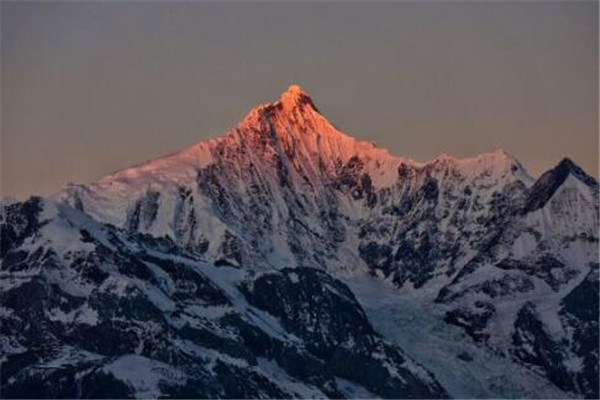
{"x": 90, "y": 310}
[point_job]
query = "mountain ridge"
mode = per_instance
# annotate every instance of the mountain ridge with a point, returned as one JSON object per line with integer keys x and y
{"x": 292, "y": 158}
{"x": 199, "y": 154}
{"x": 471, "y": 254}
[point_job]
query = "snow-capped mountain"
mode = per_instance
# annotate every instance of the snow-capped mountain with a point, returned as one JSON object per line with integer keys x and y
{"x": 373, "y": 259}
{"x": 90, "y": 310}
{"x": 287, "y": 187}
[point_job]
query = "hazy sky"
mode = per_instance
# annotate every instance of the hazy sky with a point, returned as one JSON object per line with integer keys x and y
{"x": 89, "y": 88}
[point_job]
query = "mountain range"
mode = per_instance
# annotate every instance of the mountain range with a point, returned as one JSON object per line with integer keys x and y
{"x": 288, "y": 259}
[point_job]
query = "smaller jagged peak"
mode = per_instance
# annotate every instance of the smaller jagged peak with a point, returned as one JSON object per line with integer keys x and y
{"x": 497, "y": 158}
{"x": 567, "y": 167}
{"x": 495, "y": 164}
{"x": 496, "y": 155}
{"x": 444, "y": 158}
{"x": 500, "y": 158}
{"x": 545, "y": 187}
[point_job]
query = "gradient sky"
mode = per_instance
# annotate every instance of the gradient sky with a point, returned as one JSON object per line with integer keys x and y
{"x": 89, "y": 88}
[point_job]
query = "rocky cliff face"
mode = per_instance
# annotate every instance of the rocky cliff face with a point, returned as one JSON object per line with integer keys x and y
{"x": 289, "y": 206}
{"x": 90, "y": 310}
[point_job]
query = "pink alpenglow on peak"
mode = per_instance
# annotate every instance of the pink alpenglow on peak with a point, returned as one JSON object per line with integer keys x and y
{"x": 295, "y": 96}
{"x": 299, "y": 138}
{"x": 293, "y": 92}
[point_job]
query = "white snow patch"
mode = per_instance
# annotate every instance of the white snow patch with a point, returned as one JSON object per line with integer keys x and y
{"x": 411, "y": 320}
{"x": 294, "y": 277}
{"x": 144, "y": 374}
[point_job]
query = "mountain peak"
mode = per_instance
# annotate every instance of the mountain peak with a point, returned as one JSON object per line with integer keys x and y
{"x": 295, "y": 96}
{"x": 545, "y": 187}
{"x": 294, "y": 91}
{"x": 567, "y": 166}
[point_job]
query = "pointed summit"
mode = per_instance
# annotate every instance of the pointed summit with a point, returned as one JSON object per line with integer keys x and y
{"x": 293, "y": 99}
{"x": 295, "y": 96}
{"x": 293, "y": 91}
{"x": 565, "y": 168}
{"x": 545, "y": 187}
{"x": 566, "y": 165}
